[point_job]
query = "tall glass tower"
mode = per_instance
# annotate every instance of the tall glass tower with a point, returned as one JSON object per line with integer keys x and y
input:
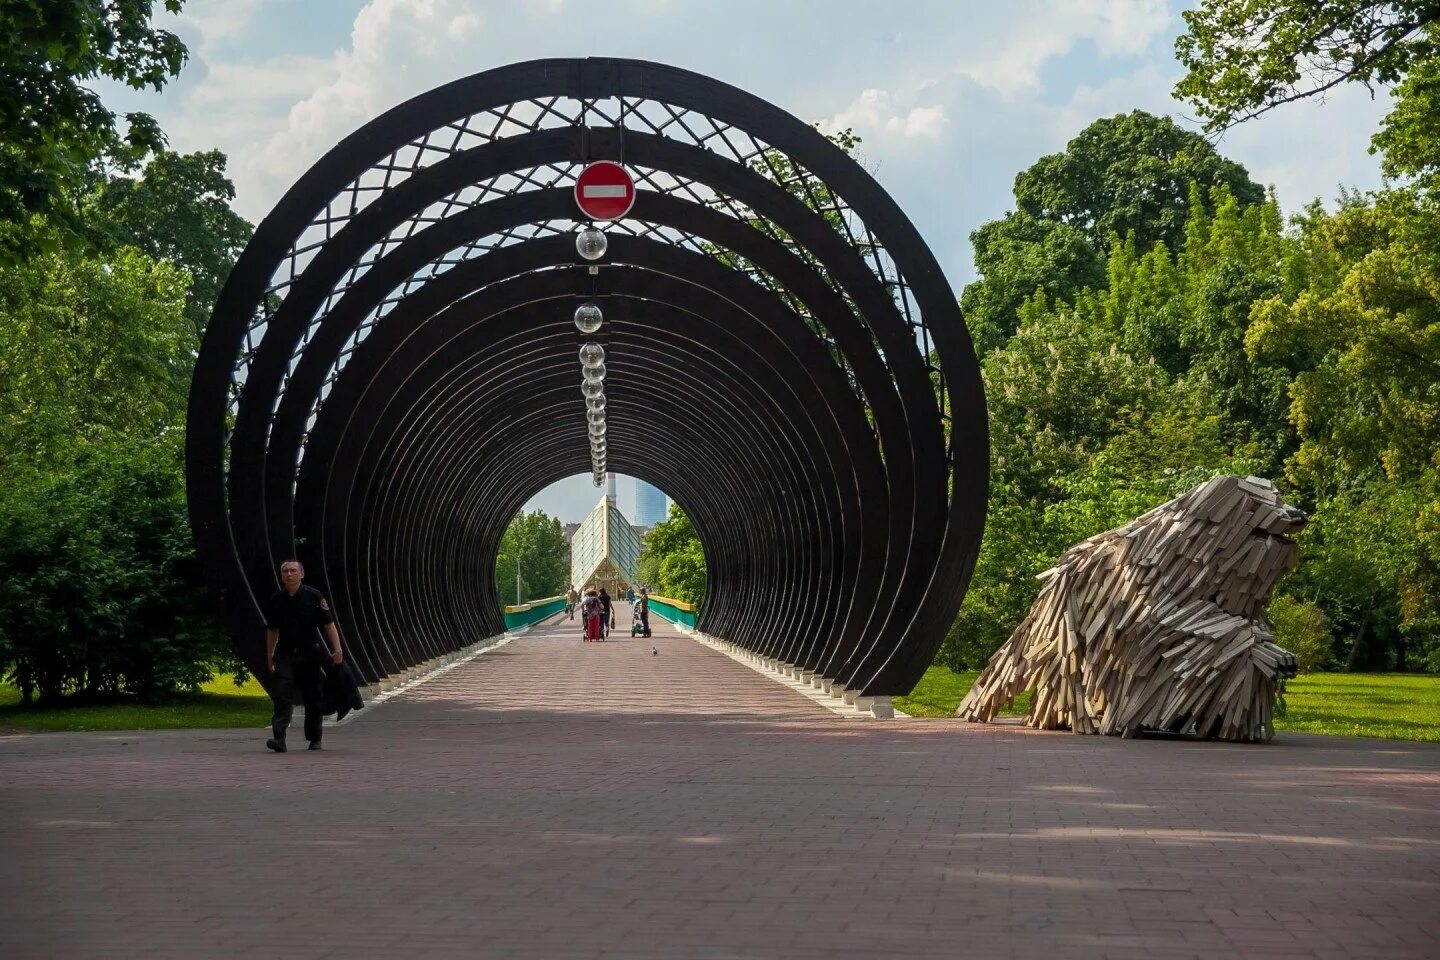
{"x": 650, "y": 505}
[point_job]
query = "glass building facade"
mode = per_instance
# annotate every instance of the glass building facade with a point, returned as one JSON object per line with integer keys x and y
{"x": 604, "y": 550}
{"x": 650, "y": 504}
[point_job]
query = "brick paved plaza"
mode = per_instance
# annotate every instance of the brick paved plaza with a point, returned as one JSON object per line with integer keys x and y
{"x": 552, "y": 799}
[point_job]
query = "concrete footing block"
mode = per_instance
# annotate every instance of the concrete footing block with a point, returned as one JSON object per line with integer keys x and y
{"x": 826, "y": 684}
{"x": 849, "y": 696}
{"x": 837, "y": 690}
{"x": 863, "y": 704}
{"x": 806, "y": 676}
{"x": 881, "y": 708}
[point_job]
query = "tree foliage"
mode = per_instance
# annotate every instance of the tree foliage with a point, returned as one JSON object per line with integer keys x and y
{"x": 1247, "y": 57}
{"x": 178, "y": 209}
{"x": 99, "y": 591}
{"x": 672, "y": 560}
{"x": 1129, "y": 176}
{"x": 57, "y": 132}
{"x": 534, "y": 545}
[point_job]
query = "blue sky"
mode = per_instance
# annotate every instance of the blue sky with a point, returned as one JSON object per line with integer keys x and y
{"x": 952, "y": 98}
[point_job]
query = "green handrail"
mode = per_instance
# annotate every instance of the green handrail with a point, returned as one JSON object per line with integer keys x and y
{"x": 524, "y": 614}
{"x": 676, "y": 611}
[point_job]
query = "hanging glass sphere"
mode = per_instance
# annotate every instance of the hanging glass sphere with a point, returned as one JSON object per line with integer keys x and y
{"x": 596, "y": 372}
{"x": 597, "y": 431}
{"x": 595, "y": 416}
{"x": 599, "y": 480}
{"x": 588, "y": 317}
{"x": 595, "y": 403}
{"x": 590, "y": 243}
{"x": 592, "y": 354}
{"x": 592, "y": 388}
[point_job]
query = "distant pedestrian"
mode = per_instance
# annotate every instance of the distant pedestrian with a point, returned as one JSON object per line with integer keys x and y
{"x": 571, "y": 598}
{"x": 296, "y": 653}
{"x": 607, "y": 619}
{"x": 590, "y": 611}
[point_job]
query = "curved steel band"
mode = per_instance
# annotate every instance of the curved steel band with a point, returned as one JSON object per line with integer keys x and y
{"x": 760, "y": 370}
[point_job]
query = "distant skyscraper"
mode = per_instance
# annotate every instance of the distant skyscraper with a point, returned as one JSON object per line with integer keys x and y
{"x": 650, "y": 506}
{"x": 610, "y": 485}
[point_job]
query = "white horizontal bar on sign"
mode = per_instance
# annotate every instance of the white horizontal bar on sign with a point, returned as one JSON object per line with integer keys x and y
{"x": 600, "y": 190}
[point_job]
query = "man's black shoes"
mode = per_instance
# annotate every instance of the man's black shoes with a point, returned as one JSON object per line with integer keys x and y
{"x": 314, "y": 744}
{"x": 277, "y": 745}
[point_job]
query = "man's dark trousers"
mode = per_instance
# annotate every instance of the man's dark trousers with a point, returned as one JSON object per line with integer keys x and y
{"x": 298, "y": 678}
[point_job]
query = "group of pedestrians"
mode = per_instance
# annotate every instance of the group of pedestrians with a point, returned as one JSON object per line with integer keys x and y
{"x": 597, "y": 611}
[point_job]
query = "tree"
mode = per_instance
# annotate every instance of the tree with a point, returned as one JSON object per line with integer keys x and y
{"x": 534, "y": 543}
{"x": 1247, "y": 57}
{"x": 1017, "y": 256}
{"x": 178, "y": 209}
{"x": 672, "y": 559}
{"x": 90, "y": 351}
{"x": 56, "y": 130}
{"x": 1366, "y": 406}
{"x": 99, "y": 589}
{"x": 1130, "y": 175}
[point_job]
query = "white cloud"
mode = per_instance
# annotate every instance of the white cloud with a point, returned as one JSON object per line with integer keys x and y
{"x": 875, "y": 110}
{"x": 1116, "y": 27}
{"x": 926, "y": 122}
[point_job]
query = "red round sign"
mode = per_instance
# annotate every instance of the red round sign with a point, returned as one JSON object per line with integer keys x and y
{"x": 604, "y": 191}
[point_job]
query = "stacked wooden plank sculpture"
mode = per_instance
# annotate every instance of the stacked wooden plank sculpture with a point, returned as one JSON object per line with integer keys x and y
{"x": 1159, "y": 624}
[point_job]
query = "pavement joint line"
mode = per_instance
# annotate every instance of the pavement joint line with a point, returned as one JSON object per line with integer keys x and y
{"x": 836, "y": 706}
{"x": 507, "y": 637}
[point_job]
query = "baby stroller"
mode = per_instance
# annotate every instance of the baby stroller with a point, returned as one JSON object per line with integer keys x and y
{"x": 636, "y": 627}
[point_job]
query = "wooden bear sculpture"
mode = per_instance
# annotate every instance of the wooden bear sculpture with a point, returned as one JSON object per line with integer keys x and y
{"x": 1159, "y": 624}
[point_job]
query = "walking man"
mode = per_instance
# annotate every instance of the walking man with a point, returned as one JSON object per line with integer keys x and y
{"x": 295, "y": 617}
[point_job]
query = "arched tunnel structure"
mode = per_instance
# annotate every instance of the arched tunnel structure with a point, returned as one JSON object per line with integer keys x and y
{"x": 391, "y": 372}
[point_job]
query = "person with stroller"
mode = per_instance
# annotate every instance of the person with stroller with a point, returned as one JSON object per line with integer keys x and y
{"x": 642, "y": 610}
{"x": 590, "y": 611}
{"x": 607, "y": 618}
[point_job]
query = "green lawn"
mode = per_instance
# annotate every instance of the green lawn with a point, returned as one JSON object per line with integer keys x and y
{"x": 1394, "y": 706}
{"x": 940, "y": 691}
{"x": 222, "y": 704}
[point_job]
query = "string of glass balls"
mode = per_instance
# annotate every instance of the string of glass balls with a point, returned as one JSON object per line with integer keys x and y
{"x": 590, "y": 243}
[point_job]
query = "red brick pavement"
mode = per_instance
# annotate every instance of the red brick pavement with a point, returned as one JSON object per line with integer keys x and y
{"x": 552, "y": 799}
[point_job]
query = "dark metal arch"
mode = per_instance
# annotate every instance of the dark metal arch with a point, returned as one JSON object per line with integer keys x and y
{"x": 398, "y": 385}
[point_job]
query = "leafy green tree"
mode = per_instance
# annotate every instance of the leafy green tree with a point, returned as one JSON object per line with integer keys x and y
{"x": 1367, "y": 407}
{"x": 534, "y": 544}
{"x": 1247, "y": 57}
{"x": 1129, "y": 175}
{"x": 1017, "y": 256}
{"x": 90, "y": 351}
{"x": 672, "y": 560}
{"x": 178, "y": 209}
{"x": 56, "y": 131}
{"x": 99, "y": 591}
{"x": 1409, "y": 137}
{"x": 1302, "y": 628}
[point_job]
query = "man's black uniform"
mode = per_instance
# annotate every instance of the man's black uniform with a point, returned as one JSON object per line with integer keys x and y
{"x": 300, "y": 654}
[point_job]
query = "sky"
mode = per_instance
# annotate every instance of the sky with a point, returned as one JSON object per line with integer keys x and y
{"x": 952, "y": 98}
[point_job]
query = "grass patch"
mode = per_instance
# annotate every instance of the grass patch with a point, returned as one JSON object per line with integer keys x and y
{"x": 940, "y": 691}
{"x": 220, "y": 704}
{"x": 1392, "y": 706}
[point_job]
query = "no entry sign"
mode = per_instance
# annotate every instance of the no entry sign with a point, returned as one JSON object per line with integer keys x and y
{"x": 604, "y": 191}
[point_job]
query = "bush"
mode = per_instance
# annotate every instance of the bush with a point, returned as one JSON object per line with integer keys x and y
{"x": 1302, "y": 628}
{"x": 99, "y": 587}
